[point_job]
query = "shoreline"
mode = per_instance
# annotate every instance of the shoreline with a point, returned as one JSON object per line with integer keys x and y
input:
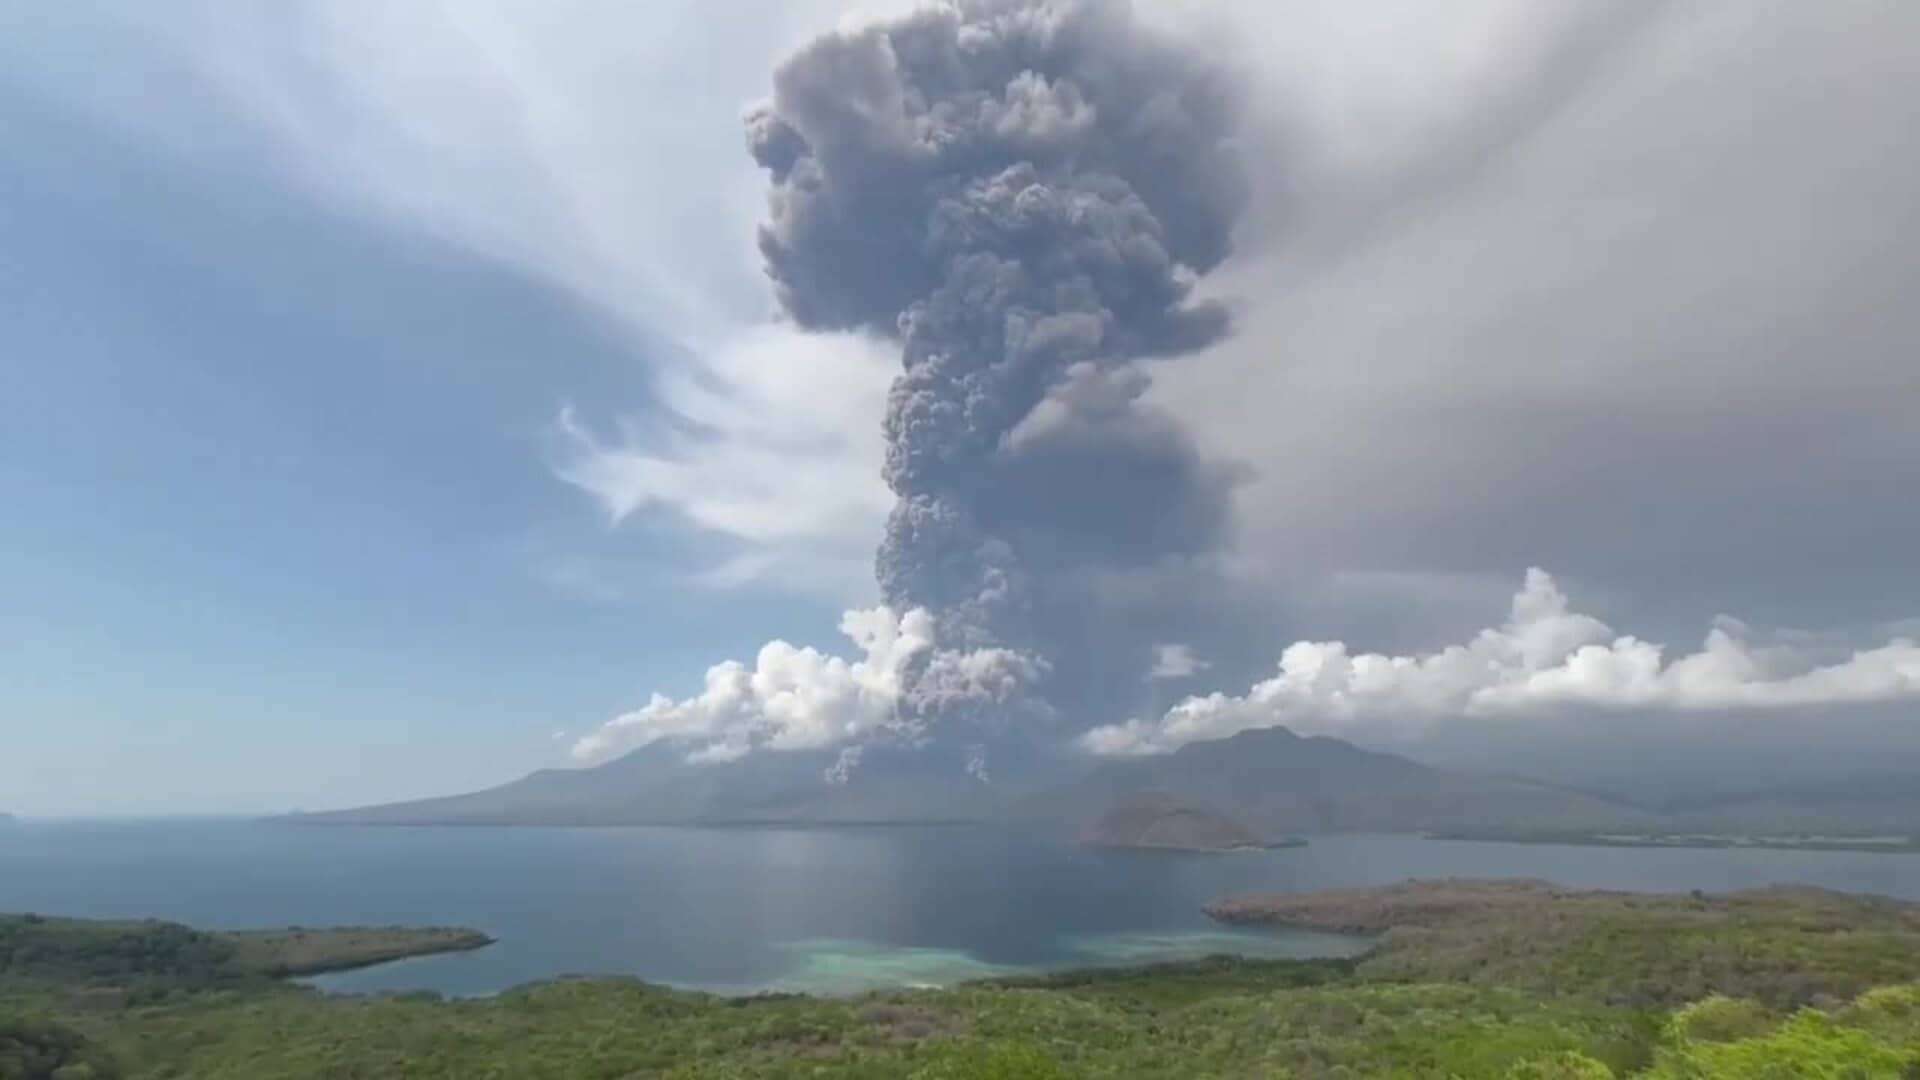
{"x": 391, "y": 945}
{"x": 1287, "y": 844}
{"x": 1881, "y": 845}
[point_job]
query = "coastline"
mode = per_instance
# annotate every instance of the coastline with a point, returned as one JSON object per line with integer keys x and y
{"x": 1881, "y": 844}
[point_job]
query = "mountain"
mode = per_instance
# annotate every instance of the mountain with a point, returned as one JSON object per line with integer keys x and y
{"x": 1265, "y": 785}
{"x": 1160, "y": 821}
{"x": 656, "y": 786}
{"x": 1865, "y": 802}
{"x": 1861, "y": 775}
{"x": 1277, "y": 783}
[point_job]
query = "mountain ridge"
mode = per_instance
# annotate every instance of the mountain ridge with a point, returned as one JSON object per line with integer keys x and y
{"x": 1277, "y": 784}
{"x": 1270, "y": 782}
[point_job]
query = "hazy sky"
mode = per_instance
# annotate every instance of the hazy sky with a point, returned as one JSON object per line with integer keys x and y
{"x": 390, "y": 394}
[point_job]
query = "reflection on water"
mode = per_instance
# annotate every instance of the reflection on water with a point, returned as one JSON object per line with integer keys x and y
{"x": 1151, "y": 948}
{"x": 831, "y": 966}
{"x": 816, "y": 909}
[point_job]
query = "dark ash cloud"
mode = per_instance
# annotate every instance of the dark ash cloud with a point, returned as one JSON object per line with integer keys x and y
{"x": 1023, "y": 194}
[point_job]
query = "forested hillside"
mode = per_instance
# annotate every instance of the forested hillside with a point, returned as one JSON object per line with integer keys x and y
{"x": 1469, "y": 979}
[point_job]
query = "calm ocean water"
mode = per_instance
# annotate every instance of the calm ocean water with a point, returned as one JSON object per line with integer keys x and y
{"x": 811, "y": 909}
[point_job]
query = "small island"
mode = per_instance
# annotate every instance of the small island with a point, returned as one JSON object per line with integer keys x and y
{"x": 1164, "y": 823}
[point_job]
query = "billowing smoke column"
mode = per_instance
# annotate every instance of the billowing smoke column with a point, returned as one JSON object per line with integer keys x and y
{"x": 1023, "y": 193}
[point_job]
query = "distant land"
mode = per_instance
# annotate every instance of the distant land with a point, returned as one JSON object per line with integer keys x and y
{"x": 1278, "y": 784}
{"x": 1257, "y": 788}
{"x": 1860, "y": 802}
{"x": 1161, "y": 821}
{"x": 1268, "y": 784}
{"x": 655, "y": 785}
{"x": 1254, "y": 789}
{"x": 1904, "y": 843}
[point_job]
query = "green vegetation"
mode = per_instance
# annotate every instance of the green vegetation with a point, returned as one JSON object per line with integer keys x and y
{"x": 1784, "y": 946}
{"x": 1517, "y": 981}
{"x": 300, "y": 951}
{"x": 79, "y": 952}
{"x": 154, "y": 955}
{"x": 32, "y": 1048}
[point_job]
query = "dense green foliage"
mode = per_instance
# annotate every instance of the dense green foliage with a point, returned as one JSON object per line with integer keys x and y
{"x": 152, "y": 955}
{"x": 73, "y": 950}
{"x": 1573, "y": 1005}
{"x": 33, "y": 1048}
{"x": 611, "y": 1028}
{"x": 1782, "y": 946}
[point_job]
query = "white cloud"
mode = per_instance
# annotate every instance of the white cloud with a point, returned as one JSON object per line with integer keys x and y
{"x": 795, "y": 698}
{"x": 790, "y": 699}
{"x": 778, "y": 447}
{"x": 1176, "y": 661}
{"x": 597, "y": 148}
{"x": 595, "y": 144}
{"x": 1545, "y": 658}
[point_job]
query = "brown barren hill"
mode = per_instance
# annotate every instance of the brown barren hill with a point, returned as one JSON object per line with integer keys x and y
{"x": 1167, "y": 823}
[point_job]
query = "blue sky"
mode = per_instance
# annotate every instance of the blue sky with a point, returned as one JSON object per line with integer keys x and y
{"x": 282, "y": 525}
{"x": 390, "y": 395}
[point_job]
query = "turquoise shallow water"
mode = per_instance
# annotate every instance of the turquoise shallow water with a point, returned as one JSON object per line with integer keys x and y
{"x": 824, "y": 910}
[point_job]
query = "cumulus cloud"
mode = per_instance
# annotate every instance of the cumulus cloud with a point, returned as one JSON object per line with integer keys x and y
{"x": 799, "y": 698}
{"x": 1544, "y": 658}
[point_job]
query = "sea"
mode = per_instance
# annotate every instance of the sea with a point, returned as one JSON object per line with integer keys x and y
{"x": 819, "y": 910}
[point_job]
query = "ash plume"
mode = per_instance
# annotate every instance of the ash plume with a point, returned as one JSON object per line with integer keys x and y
{"x": 1022, "y": 194}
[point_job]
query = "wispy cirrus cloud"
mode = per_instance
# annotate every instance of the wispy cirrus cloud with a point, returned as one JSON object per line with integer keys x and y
{"x": 571, "y": 142}
{"x": 772, "y": 445}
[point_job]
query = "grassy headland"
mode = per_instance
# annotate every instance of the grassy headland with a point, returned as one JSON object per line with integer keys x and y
{"x": 1471, "y": 979}
{"x": 38, "y": 950}
{"x": 300, "y": 951}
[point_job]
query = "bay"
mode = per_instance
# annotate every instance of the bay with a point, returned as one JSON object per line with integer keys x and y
{"x": 829, "y": 910}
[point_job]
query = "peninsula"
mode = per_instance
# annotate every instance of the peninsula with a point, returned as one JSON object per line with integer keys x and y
{"x": 38, "y": 948}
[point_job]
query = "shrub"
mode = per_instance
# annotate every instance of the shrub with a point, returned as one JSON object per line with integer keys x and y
{"x": 1720, "y": 1019}
{"x": 1809, "y": 1044}
{"x": 32, "y": 1049}
{"x": 991, "y": 1061}
{"x": 1571, "y": 1065}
